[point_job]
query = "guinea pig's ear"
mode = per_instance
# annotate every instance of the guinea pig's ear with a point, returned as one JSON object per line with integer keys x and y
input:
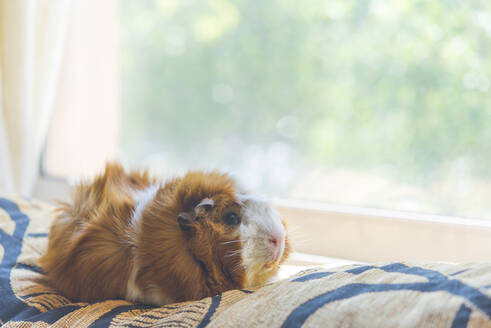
{"x": 186, "y": 221}
{"x": 206, "y": 204}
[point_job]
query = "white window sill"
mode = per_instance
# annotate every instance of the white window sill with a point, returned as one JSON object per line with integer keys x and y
{"x": 371, "y": 235}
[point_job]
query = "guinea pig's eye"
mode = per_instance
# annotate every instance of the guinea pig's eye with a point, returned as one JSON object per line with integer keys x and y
{"x": 231, "y": 219}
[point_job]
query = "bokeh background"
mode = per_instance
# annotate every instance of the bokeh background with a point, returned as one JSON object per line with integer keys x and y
{"x": 383, "y": 104}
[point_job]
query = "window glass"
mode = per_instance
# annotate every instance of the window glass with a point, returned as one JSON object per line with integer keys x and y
{"x": 370, "y": 103}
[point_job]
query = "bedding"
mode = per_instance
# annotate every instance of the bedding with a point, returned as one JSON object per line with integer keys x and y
{"x": 379, "y": 295}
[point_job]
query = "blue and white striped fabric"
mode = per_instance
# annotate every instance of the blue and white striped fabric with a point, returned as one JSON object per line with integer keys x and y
{"x": 386, "y": 295}
{"x": 382, "y": 295}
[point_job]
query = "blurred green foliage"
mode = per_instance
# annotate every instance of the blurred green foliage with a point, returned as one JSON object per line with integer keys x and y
{"x": 400, "y": 86}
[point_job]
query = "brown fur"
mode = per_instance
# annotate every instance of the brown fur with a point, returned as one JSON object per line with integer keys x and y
{"x": 88, "y": 248}
{"x": 93, "y": 242}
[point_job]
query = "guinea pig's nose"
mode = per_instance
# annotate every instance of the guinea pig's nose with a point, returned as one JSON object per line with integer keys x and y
{"x": 275, "y": 241}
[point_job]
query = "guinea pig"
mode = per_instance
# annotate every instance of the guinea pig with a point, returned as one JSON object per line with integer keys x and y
{"x": 130, "y": 236}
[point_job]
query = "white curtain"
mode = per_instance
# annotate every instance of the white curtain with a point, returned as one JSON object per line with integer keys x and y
{"x": 32, "y": 33}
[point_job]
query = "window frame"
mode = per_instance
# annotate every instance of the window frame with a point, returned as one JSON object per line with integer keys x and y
{"x": 374, "y": 235}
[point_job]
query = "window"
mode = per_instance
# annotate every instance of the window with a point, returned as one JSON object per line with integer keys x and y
{"x": 333, "y": 106}
{"x": 366, "y": 103}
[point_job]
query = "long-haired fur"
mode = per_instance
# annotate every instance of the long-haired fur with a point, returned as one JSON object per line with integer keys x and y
{"x": 100, "y": 242}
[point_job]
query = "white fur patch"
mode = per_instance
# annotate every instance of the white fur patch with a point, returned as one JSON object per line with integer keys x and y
{"x": 260, "y": 222}
{"x": 133, "y": 293}
{"x": 142, "y": 198}
{"x": 151, "y": 295}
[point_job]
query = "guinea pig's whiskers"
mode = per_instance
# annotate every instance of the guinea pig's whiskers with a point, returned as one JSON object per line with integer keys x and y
{"x": 300, "y": 242}
{"x": 229, "y": 254}
{"x": 237, "y": 267}
{"x": 233, "y": 241}
{"x": 293, "y": 229}
{"x": 299, "y": 238}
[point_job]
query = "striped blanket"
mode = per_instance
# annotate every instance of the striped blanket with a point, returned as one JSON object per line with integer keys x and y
{"x": 383, "y": 295}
